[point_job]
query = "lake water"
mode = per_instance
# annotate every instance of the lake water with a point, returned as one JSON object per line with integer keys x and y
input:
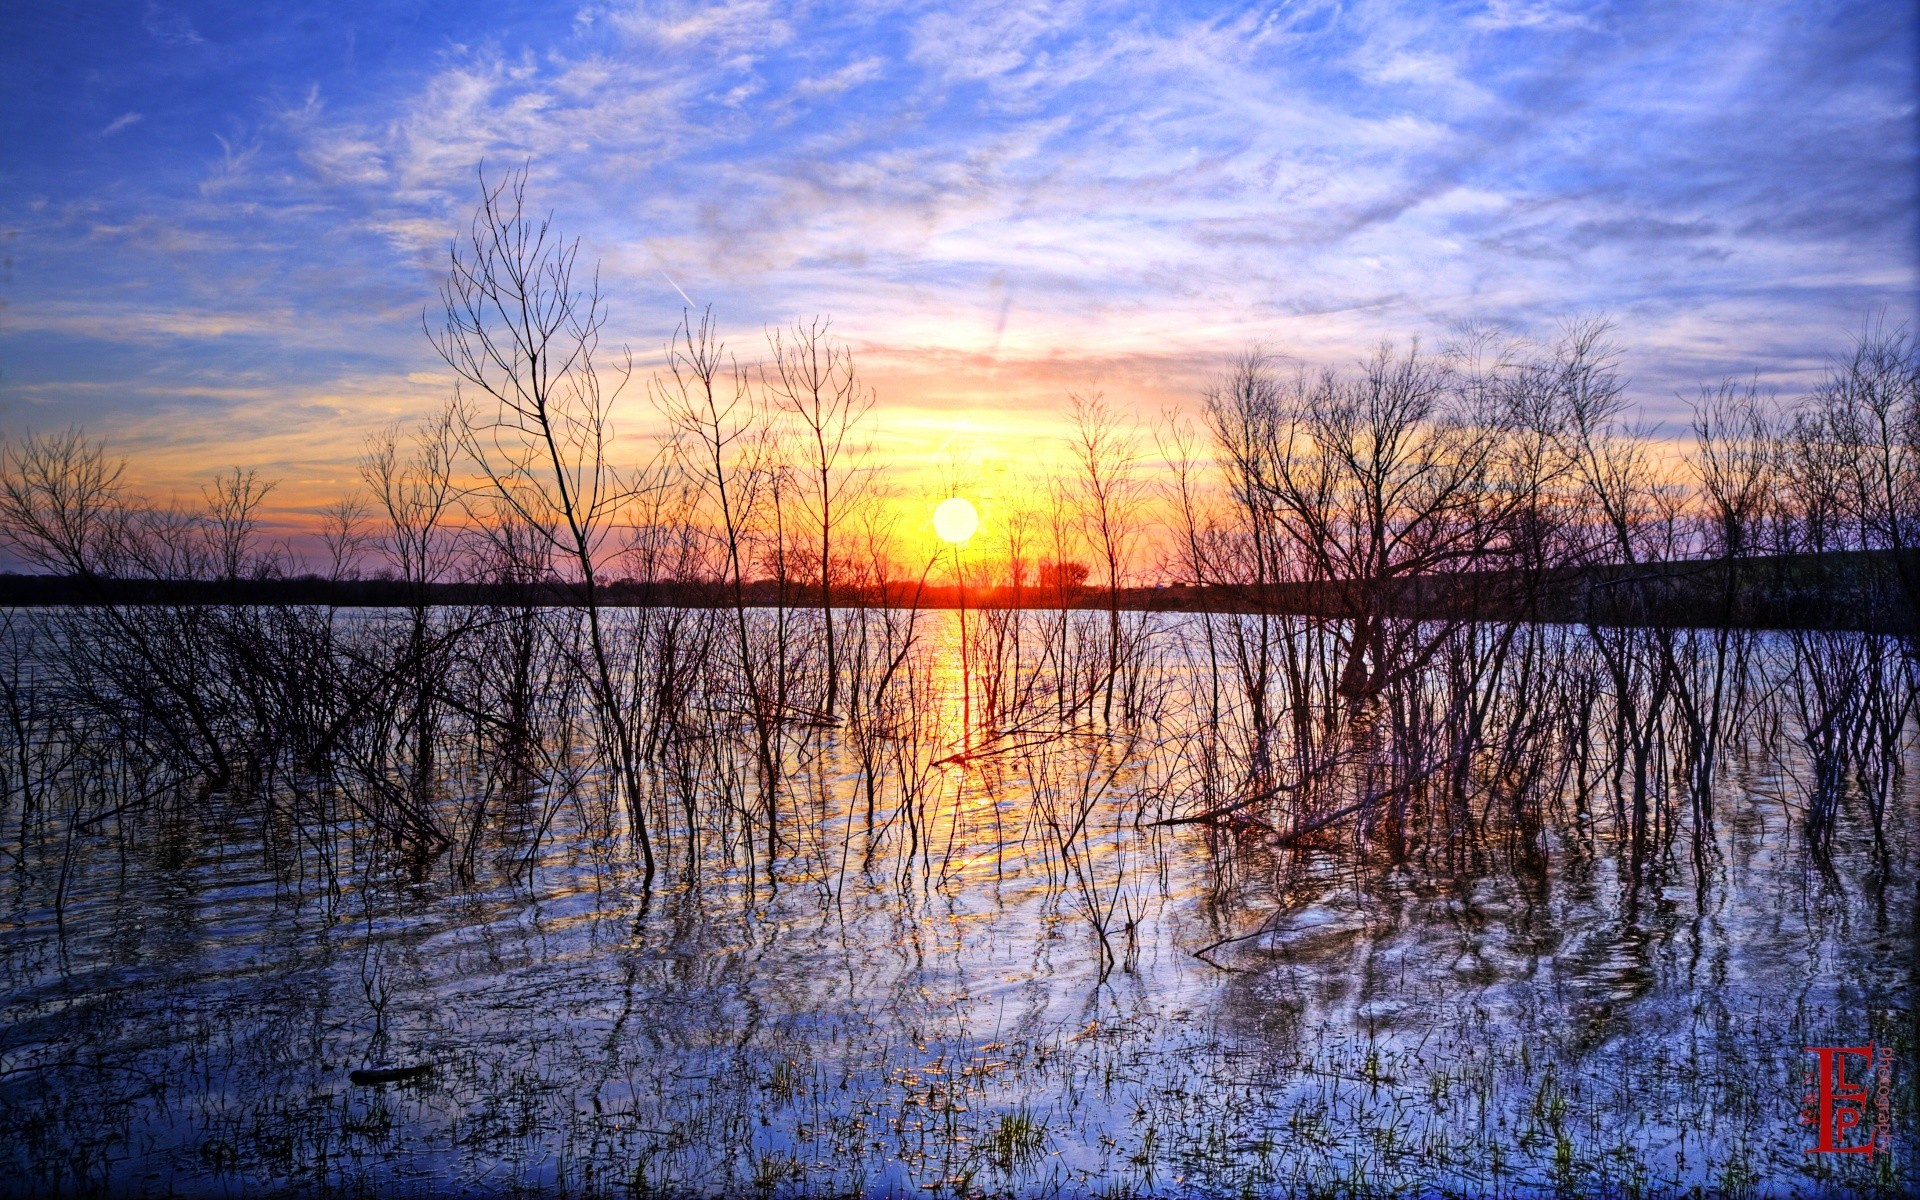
{"x": 184, "y": 991}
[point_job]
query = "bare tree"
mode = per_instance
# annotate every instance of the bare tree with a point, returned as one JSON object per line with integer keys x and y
{"x": 1062, "y": 576}
{"x": 814, "y": 381}
{"x": 60, "y": 503}
{"x": 706, "y": 401}
{"x": 1871, "y": 404}
{"x": 1733, "y": 462}
{"x": 1106, "y": 449}
{"x": 411, "y": 479}
{"x": 63, "y": 509}
{"x": 1380, "y": 479}
{"x": 533, "y": 414}
{"x": 343, "y": 530}
{"x": 232, "y": 519}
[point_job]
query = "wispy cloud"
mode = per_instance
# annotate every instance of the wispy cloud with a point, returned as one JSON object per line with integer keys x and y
{"x": 170, "y": 26}
{"x": 990, "y": 199}
{"x": 834, "y": 82}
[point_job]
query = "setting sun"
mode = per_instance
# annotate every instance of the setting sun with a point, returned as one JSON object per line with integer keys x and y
{"x": 955, "y": 520}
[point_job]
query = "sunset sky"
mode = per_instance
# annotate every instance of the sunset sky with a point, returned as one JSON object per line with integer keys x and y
{"x": 222, "y": 222}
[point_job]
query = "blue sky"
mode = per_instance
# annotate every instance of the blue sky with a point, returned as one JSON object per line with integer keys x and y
{"x": 221, "y": 222}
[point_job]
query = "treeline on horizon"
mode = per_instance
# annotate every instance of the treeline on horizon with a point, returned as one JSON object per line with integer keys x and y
{"x": 1834, "y": 590}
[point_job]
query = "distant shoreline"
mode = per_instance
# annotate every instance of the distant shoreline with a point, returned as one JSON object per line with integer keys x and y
{"x": 1848, "y": 590}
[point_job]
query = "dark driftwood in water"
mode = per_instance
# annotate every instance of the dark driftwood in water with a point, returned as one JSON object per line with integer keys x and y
{"x": 369, "y": 1075}
{"x": 1226, "y": 810}
{"x": 1306, "y": 829}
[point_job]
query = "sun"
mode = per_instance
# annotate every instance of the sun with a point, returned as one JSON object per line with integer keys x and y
{"x": 954, "y": 520}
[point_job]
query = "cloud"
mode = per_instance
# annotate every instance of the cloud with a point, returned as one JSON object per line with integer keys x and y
{"x": 170, "y": 27}
{"x": 833, "y": 83}
{"x": 1321, "y": 164}
{"x": 168, "y": 325}
{"x": 733, "y": 27}
{"x": 120, "y": 122}
{"x": 237, "y": 155}
{"x": 997, "y": 202}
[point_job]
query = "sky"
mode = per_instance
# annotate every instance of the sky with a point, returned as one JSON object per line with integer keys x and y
{"x": 221, "y": 224}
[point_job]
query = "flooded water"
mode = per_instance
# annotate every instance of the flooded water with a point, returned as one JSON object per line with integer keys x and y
{"x": 186, "y": 990}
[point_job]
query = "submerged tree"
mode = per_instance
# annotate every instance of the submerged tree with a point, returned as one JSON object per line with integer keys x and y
{"x": 1106, "y": 456}
{"x": 720, "y": 437}
{"x": 534, "y": 415}
{"x": 812, "y": 379}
